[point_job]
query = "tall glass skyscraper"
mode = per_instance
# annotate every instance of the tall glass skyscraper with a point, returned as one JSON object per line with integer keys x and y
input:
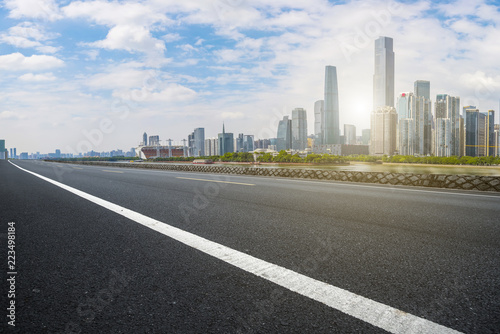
{"x": 448, "y": 107}
{"x": 423, "y": 88}
{"x": 319, "y": 120}
{"x": 299, "y": 129}
{"x": 383, "y": 79}
{"x": 331, "y": 125}
{"x": 284, "y": 135}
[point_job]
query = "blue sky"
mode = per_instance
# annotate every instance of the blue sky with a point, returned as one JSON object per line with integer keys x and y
{"x": 80, "y": 75}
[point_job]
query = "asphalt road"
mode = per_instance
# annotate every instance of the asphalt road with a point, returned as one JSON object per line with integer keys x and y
{"x": 82, "y": 268}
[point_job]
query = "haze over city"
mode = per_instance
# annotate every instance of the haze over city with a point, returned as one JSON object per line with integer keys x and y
{"x": 168, "y": 67}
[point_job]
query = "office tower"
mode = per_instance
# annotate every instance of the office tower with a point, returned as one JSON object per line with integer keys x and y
{"x": 11, "y": 155}
{"x": 145, "y": 139}
{"x": 496, "y": 137}
{"x": 284, "y": 135}
{"x": 239, "y": 142}
{"x": 383, "y": 131}
{"x": 349, "y": 134}
{"x": 199, "y": 142}
{"x": 422, "y": 88}
{"x": 415, "y": 124}
{"x": 479, "y": 132}
{"x": 15, "y": 153}
{"x": 490, "y": 132}
{"x": 403, "y": 105}
{"x": 226, "y": 142}
{"x": 365, "y": 136}
{"x": 448, "y": 107}
{"x": 319, "y": 120}
{"x": 154, "y": 140}
{"x": 383, "y": 79}
{"x": 443, "y": 140}
{"x": 3, "y": 150}
{"x": 462, "y": 136}
{"x": 211, "y": 147}
{"x": 331, "y": 127}
{"x": 248, "y": 143}
{"x": 299, "y": 129}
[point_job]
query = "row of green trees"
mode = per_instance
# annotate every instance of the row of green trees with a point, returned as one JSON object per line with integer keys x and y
{"x": 284, "y": 157}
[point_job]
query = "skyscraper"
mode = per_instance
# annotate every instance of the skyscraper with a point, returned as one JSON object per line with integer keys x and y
{"x": 448, "y": 107}
{"x": 248, "y": 143}
{"x": 3, "y": 150}
{"x": 383, "y": 79}
{"x": 199, "y": 142}
{"x": 479, "y": 132}
{"x": 384, "y": 122}
{"x": 145, "y": 139}
{"x": 226, "y": 142}
{"x": 349, "y": 134}
{"x": 331, "y": 127}
{"x": 284, "y": 135}
{"x": 422, "y": 88}
{"x": 299, "y": 129}
{"x": 319, "y": 120}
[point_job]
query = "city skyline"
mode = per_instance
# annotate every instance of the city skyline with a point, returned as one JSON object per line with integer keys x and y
{"x": 62, "y": 87}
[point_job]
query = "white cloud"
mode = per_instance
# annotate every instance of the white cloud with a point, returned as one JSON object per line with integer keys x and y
{"x": 10, "y": 115}
{"x": 34, "y": 9}
{"x": 18, "y": 62}
{"x": 29, "y": 35}
{"x": 125, "y": 76}
{"x": 173, "y": 92}
{"x": 131, "y": 38}
{"x": 173, "y": 37}
{"x": 37, "y": 77}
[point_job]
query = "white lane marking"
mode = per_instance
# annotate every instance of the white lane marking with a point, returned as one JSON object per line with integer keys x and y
{"x": 206, "y": 180}
{"x": 375, "y": 313}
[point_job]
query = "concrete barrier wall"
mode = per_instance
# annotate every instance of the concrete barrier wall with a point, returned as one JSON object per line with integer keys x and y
{"x": 465, "y": 182}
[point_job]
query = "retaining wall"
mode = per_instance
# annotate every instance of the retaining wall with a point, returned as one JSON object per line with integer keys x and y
{"x": 465, "y": 182}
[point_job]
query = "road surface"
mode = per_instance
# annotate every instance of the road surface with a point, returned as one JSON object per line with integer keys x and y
{"x": 138, "y": 251}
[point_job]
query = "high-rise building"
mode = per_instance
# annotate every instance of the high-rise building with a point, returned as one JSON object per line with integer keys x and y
{"x": 319, "y": 120}
{"x": 299, "y": 129}
{"x": 211, "y": 146}
{"x": 349, "y": 134}
{"x": 383, "y": 79}
{"x": 248, "y": 143}
{"x": 198, "y": 147}
{"x": 443, "y": 139}
{"x": 284, "y": 135}
{"x": 448, "y": 107}
{"x": 404, "y": 105}
{"x": 239, "y": 142}
{"x": 365, "y": 136}
{"x": 3, "y": 154}
{"x": 490, "y": 132}
{"x": 145, "y": 139}
{"x": 415, "y": 124}
{"x": 226, "y": 142}
{"x": 422, "y": 88}
{"x": 331, "y": 125}
{"x": 384, "y": 122}
{"x": 496, "y": 135}
{"x": 479, "y": 132}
